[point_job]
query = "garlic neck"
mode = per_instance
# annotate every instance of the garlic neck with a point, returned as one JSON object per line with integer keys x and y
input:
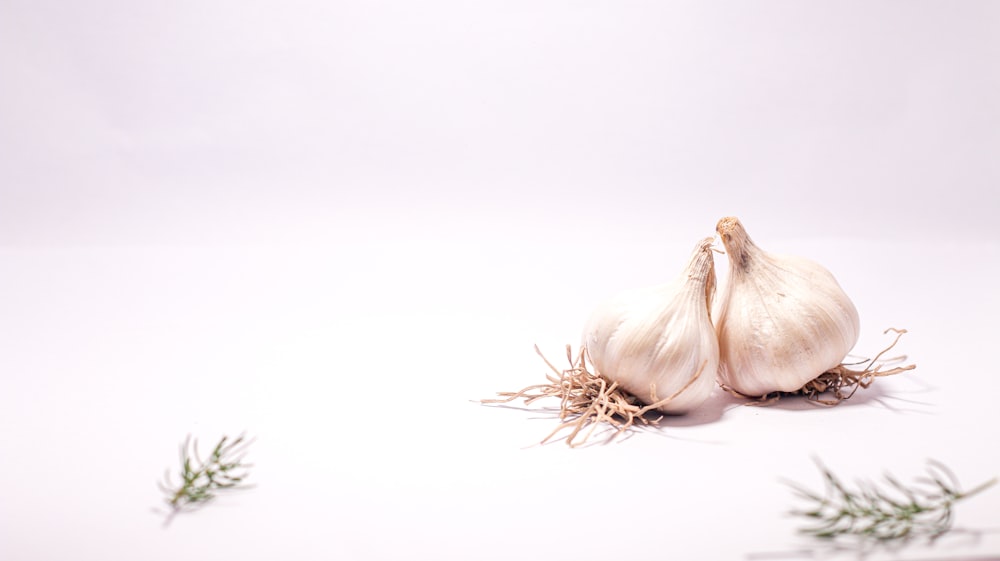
{"x": 701, "y": 272}
{"x": 741, "y": 249}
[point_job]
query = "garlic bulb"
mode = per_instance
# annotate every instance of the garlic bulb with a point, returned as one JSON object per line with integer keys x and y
{"x": 654, "y": 341}
{"x": 781, "y": 321}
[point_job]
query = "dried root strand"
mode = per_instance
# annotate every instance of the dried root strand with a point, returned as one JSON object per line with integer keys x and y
{"x": 588, "y": 400}
{"x": 839, "y": 383}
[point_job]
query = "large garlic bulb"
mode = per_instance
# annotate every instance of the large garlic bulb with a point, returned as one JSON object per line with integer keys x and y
{"x": 781, "y": 321}
{"x": 653, "y": 341}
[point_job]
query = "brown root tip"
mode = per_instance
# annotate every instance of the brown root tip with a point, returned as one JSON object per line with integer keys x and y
{"x": 736, "y": 241}
{"x": 728, "y": 225}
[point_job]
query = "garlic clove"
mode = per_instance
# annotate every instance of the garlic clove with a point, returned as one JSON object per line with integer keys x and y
{"x": 781, "y": 320}
{"x": 653, "y": 341}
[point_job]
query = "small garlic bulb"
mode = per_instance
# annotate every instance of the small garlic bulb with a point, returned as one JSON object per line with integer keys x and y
{"x": 658, "y": 339}
{"x": 781, "y": 320}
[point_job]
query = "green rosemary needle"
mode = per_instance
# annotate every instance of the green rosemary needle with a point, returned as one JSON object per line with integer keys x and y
{"x": 891, "y": 511}
{"x": 201, "y": 480}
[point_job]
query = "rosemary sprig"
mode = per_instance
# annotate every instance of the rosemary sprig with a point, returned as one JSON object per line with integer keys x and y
{"x": 201, "y": 480}
{"x": 891, "y": 511}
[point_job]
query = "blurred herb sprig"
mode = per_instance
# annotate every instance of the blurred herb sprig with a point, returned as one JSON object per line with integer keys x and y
{"x": 886, "y": 512}
{"x": 201, "y": 480}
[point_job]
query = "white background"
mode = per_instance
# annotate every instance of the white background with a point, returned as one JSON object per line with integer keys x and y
{"x": 335, "y": 224}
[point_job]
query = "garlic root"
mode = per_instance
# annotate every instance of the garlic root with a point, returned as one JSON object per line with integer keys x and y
{"x": 587, "y": 399}
{"x": 836, "y": 381}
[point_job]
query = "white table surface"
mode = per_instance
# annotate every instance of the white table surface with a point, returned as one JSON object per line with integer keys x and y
{"x": 337, "y": 225}
{"x": 357, "y": 374}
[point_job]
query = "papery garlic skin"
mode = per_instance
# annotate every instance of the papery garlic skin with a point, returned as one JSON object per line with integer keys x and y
{"x": 781, "y": 320}
{"x": 660, "y": 337}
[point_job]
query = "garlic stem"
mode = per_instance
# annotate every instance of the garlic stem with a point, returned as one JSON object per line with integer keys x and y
{"x": 739, "y": 246}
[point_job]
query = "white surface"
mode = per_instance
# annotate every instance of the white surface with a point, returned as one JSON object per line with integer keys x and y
{"x": 335, "y": 224}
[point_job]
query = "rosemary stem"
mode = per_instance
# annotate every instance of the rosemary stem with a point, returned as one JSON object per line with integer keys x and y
{"x": 978, "y": 488}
